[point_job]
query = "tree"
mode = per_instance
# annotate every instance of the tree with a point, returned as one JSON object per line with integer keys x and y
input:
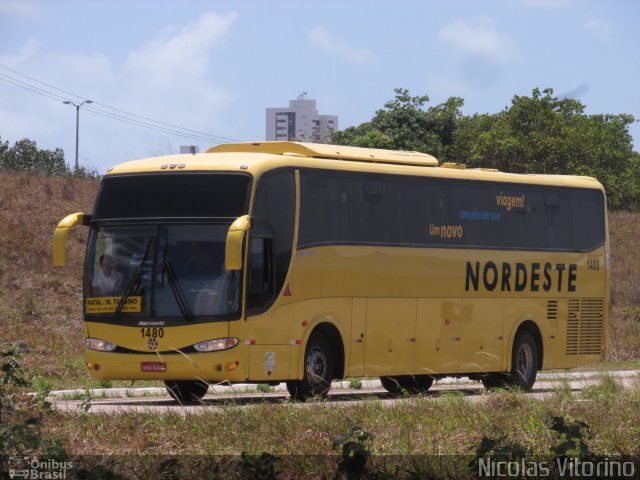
{"x": 4, "y": 147}
{"x": 545, "y": 134}
{"x": 404, "y": 124}
{"x": 540, "y": 133}
{"x": 25, "y": 155}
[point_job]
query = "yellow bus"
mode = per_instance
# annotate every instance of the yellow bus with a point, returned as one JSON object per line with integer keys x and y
{"x": 303, "y": 263}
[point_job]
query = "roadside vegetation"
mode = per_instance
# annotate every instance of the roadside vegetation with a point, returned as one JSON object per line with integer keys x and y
{"x": 624, "y": 310}
{"x": 25, "y": 156}
{"x": 420, "y": 425}
{"x": 430, "y": 436}
{"x": 41, "y": 306}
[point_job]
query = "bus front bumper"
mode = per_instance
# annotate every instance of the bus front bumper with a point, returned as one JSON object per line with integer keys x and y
{"x": 227, "y": 365}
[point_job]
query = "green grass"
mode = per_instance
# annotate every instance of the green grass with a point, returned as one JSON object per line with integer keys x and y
{"x": 418, "y": 425}
{"x": 355, "y": 383}
{"x": 607, "y": 387}
{"x": 265, "y": 388}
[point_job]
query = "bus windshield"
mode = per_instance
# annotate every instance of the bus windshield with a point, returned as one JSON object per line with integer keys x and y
{"x": 169, "y": 272}
{"x": 172, "y": 195}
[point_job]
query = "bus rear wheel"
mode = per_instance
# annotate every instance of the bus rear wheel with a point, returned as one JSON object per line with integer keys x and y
{"x": 318, "y": 371}
{"x": 524, "y": 361}
{"x": 524, "y": 366}
{"x": 412, "y": 384}
{"x": 185, "y": 391}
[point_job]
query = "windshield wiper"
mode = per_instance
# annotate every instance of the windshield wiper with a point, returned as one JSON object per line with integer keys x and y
{"x": 135, "y": 283}
{"x": 178, "y": 293}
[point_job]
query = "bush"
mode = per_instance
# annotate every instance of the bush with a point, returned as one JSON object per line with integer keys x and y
{"x": 26, "y": 156}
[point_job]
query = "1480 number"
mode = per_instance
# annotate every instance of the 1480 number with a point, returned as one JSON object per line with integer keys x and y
{"x": 152, "y": 332}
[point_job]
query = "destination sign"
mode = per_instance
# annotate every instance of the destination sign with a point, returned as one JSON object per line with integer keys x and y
{"x": 110, "y": 304}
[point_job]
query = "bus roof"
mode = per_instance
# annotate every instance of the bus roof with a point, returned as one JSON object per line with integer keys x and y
{"x": 337, "y": 152}
{"x": 259, "y": 157}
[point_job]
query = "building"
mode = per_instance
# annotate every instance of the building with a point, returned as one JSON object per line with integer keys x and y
{"x": 300, "y": 121}
{"x": 193, "y": 149}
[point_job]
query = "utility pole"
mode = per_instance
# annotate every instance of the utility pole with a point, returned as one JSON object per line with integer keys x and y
{"x": 77, "y": 105}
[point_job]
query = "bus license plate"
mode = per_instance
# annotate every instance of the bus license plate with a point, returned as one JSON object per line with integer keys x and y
{"x": 153, "y": 367}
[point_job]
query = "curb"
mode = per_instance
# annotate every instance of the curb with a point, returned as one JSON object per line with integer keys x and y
{"x": 241, "y": 388}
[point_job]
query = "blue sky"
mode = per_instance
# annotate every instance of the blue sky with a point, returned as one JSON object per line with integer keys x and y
{"x": 214, "y": 66}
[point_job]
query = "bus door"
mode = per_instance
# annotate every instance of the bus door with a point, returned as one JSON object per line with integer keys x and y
{"x": 269, "y": 257}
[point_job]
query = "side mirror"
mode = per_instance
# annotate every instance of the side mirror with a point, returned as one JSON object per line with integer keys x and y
{"x": 61, "y": 235}
{"x": 235, "y": 240}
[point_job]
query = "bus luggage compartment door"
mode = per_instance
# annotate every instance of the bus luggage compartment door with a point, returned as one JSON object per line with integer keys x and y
{"x": 390, "y": 336}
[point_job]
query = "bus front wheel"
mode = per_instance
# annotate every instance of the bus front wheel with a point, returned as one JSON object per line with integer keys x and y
{"x": 185, "y": 391}
{"x": 318, "y": 371}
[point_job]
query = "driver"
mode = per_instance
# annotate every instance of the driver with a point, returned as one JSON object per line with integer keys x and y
{"x": 106, "y": 281}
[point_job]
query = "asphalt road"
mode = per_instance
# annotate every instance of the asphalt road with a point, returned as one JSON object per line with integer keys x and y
{"x": 154, "y": 400}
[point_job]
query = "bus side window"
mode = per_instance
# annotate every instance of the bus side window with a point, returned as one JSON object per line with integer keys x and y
{"x": 588, "y": 219}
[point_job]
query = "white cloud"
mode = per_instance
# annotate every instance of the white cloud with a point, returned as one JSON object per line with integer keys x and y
{"x": 478, "y": 37}
{"x": 170, "y": 78}
{"x": 30, "y": 49}
{"x": 184, "y": 51}
{"x": 600, "y": 27}
{"x": 175, "y": 67}
{"x": 324, "y": 40}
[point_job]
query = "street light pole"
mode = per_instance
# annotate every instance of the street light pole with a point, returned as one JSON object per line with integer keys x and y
{"x": 77, "y": 105}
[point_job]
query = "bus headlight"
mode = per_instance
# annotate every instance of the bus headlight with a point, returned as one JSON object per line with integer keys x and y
{"x": 100, "y": 345}
{"x": 216, "y": 345}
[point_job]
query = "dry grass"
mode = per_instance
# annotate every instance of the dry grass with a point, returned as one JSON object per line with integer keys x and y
{"x": 624, "y": 322}
{"x": 41, "y": 305}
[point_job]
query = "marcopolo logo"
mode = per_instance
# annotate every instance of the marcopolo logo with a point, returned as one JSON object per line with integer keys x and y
{"x": 34, "y": 468}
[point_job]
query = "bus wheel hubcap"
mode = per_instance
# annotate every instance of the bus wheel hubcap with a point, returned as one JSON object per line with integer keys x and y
{"x": 525, "y": 360}
{"x": 316, "y": 366}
